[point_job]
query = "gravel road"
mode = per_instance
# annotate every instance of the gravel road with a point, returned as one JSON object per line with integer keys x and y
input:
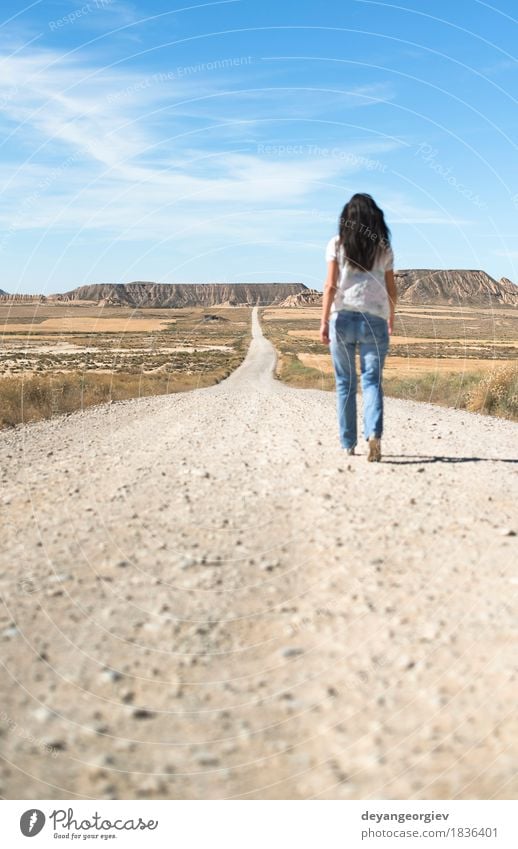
{"x": 204, "y": 597}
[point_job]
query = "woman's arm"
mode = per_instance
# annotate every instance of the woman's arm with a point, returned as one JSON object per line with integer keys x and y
{"x": 390, "y": 283}
{"x": 329, "y": 293}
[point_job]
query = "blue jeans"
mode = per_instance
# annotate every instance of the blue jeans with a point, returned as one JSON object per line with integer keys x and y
{"x": 370, "y": 332}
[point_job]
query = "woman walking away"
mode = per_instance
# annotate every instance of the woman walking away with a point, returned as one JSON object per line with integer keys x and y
{"x": 360, "y": 293}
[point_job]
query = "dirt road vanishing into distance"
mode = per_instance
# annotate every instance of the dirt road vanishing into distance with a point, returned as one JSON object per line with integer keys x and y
{"x": 204, "y": 597}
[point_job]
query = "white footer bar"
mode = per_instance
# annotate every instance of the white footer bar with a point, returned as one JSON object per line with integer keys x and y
{"x": 260, "y": 824}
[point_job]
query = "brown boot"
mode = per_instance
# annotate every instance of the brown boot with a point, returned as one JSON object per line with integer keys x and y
{"x": 374, "y": 455}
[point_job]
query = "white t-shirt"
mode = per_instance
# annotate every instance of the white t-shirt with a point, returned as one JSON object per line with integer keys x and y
{"x": 362, "y": 291}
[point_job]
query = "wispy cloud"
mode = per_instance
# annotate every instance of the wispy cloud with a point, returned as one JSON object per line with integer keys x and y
{"x": 131, "y": 142}
{"x": 402, "y": 211}
{"x": 499, "y": 67}
{"x": 94, "y": 15}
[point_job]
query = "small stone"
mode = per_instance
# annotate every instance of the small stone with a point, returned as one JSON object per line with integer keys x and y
{"x": 207, "y": 759}
{"x": 507, "y": 532}
{"x": 269, "y": 565}
{"x": 55, "y": 745}
{"x": 43, "y": 714}
{"x": 142, "y": 713}
{"x": 127, "y": 696}
{"x": 108, "y": 791}
{"x": 59, "y": 578}
{"x": 111, "y": 674}
{"x": 151, "y": 787}
{"x": 96, "y": 766}
{"x": 292, "y": 652}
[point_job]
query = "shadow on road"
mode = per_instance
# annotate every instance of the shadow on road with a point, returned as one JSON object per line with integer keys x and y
{"x": 401, "y": 460}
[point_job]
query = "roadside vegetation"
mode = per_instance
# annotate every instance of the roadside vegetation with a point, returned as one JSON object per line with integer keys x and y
{"x": 44, "y": 374}
{"x": 495, "y": 393}
{"x": 40, "y": 397}
{"x": 472, "y": 369}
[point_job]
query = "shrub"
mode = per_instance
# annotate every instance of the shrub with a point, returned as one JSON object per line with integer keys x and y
{"x": 496, "y": 393}
{"x": 29, "y": 399}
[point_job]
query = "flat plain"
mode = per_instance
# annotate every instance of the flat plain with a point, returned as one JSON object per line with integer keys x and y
{"x": 57, "y": 357}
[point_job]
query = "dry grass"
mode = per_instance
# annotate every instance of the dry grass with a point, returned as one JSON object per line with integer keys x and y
{"x": 470, "y": 364}
{"x": 50, "y": 371}
{"x": 496, "y": 393}
{"x": 448, "y": 389}
{"x": 493, "y": 394}
{"x": 291, "y": 370}
{"x": 40, "y": 397}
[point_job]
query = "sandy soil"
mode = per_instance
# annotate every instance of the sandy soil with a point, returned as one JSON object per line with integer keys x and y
{"x": 87, "y": 324}
{"x": 204, "y": 598}
{"x": 67, "y": 348}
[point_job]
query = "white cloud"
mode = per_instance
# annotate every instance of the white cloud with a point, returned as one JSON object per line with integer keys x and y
{"x": 502, "y": 65}
{"x": 107, "y": 149}
{"x": 94, "y": 15}
{"x": 401, "y": 211}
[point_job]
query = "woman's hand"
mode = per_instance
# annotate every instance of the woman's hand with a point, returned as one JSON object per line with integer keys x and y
{"x": 327, "y": 300}
{"x": 392, "y": 296}
{"x": 324, "y": 332}
{"x": 391, "y": 321}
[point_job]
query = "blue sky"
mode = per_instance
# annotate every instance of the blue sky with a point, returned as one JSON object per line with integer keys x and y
{"x": 218, "y": 141}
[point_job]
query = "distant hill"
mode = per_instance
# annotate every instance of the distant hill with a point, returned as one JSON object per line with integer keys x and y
{"x": 428, "y": 286}
{"x": 308, "y": 298}
{"x": 140, "y": 294}
{"x": 463, "y": 287}
{"x": 3, "y": 293}
{"x": 456, "y": 286}
{"x": 508, "y": 285}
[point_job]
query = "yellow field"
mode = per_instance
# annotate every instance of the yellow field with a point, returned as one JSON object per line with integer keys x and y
{"x": 409, "y": 366}
{"x": 468, "y": 360}
{"x": 314, "y": 335}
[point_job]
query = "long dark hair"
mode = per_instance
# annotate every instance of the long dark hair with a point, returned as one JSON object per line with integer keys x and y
{"x": 362, "y": 231}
